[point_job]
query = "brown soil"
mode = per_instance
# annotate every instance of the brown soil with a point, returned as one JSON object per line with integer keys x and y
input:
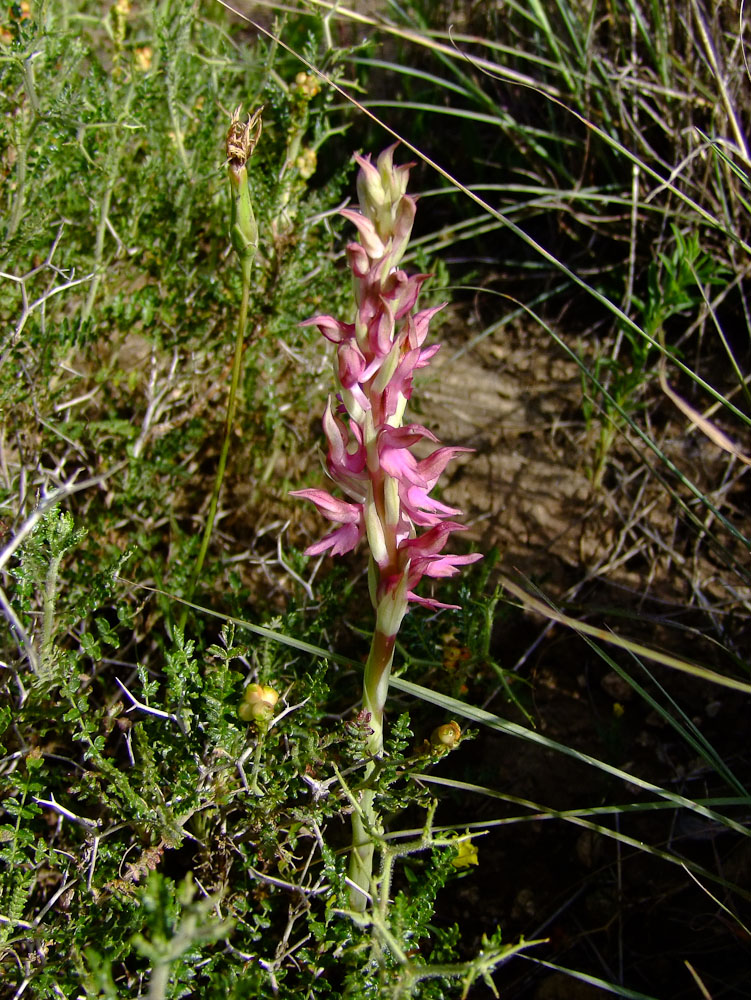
{"x": 516, "y": 399}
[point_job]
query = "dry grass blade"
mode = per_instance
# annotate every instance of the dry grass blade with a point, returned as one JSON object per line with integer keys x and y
{"x": 711, "y": 430}
{"x": 531, "y": 603}
{"x": 733, "y": 916}
{"x": 697, "y": 979}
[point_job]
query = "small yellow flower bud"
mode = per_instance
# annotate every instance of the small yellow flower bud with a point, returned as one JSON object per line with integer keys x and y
{"x": 307, "y": 85}
{"x": 258, "y": 704}
{"x": 306, "y": 163}
{"x": 446, "y": 735}
{"x": 143, "y": 57}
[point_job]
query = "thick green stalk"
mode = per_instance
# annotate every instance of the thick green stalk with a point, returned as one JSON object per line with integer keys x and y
{"x": 366, "y": 824}
{"x": 363, "y": 847}
{"x": 376, "y": 686}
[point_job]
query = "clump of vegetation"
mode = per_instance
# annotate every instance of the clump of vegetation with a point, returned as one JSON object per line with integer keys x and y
{"x": 186, "y": 750}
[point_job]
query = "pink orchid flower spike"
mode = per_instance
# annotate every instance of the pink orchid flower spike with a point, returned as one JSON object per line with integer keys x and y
{"x": 370, "y": 457}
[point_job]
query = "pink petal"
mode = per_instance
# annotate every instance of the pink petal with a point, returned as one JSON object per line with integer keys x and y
{"x": 423, "y": 509}
{"x": 421, "y": 323}
{"x": 331, "y": 328}
{"x": 351, "y": 364}
{"x": 381, "y": 332}
{"x": 402, "y": 291}
{"x": 448, "y": 565}
{"x": 405, "y": 437}
{"x": 358, "y": 260}
{"x": 374, "y": 246}
{"x": 430, "y": 468}
{"x": 428, "y": 602}
{"x": 340, "y": 542}
{"x": 340, "y": 457}
{"x": 431, "y": 542}
{"x": 395, "y": 457}
{"x": 427, "y": 354}
{"x": 331, "y": 507}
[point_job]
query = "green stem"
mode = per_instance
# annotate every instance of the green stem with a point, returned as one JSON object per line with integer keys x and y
{"x": 101, "y": 231}
{"x": 366, "y": 824}
{"x": 363, "y": 847}
{"x": 18, "y": 198}
{"x": 177, "y": 131}
{"x": 21, "y": 142}
{"x": 257, "y": 756}
{"x": 247, "y": 266}
{"x": 48, "y": 615}
{"x": 159, "y": 981}
{"x": 112, "y": 172}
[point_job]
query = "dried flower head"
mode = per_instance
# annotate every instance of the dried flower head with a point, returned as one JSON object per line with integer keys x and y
{"x": 243, "y": 137}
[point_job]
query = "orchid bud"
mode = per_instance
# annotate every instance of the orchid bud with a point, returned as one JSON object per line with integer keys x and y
{"x": 381, "y": 191}
{"x": 371, "y": 192}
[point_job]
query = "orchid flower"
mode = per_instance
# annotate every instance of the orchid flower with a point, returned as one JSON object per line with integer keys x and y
{"x": 370, "y": 457}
